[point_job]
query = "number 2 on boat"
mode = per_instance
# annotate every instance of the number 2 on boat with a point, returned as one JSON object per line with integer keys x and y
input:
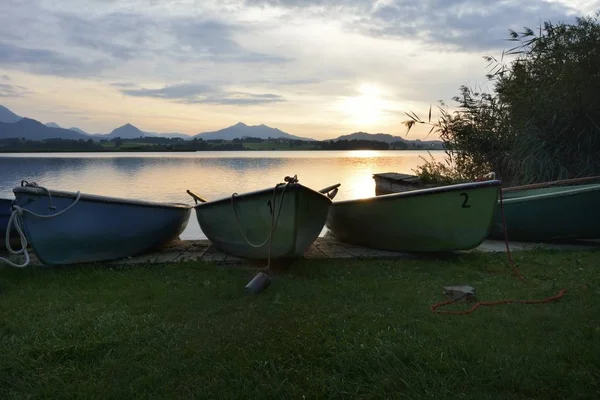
{"x": 464, "y": 203}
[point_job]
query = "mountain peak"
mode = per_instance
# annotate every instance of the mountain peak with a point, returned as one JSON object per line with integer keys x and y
{"x": 8, "y": 116}
{"x": 126, "y": 131}
{"x": 128, "y": 126}
{"x": 52, "y": 125}
{"x": 240, "y": 124}
{"x": 76, "y": 129}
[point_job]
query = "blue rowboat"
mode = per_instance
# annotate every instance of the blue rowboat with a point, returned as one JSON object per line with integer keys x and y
{"x": 67, "y": 228}
{"x": 4, "y": 217}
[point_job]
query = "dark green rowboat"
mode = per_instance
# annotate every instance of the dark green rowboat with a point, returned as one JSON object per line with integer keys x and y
{"x": 549, "y": 213}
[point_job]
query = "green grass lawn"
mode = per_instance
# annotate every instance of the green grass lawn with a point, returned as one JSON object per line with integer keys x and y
{"x": 323, "y": 329}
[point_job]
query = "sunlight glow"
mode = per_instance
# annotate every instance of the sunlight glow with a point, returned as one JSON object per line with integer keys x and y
{"x": 363, "y": 153}
{"x": 362, "y": 185}
{"x": 366, "y": 108}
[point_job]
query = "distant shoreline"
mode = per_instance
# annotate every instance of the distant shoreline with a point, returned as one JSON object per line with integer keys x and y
{"x": 159, "y": 145}
{"x": 199, "y": 151}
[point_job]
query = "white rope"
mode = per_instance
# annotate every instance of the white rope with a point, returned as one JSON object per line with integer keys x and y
{"x": 274, "y": 221}
{"x": 16, "y": 219}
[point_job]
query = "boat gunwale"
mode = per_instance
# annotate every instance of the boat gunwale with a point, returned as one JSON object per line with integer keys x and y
{"x": 99, "y": 198}
{"x": 568, "y": 191}
{"x": 423, "y": 192}
{"x": 261, "y": 192}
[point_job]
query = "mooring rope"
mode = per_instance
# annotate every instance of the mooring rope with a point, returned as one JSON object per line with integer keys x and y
{"x": 16, "y": 220}
{"x": 274, "y": 220}
{"x": 516, "y": 272}
{"x": 24, "y": 183}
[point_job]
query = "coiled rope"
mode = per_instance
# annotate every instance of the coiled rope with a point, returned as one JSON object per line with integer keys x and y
{"x": 274, "y": 220}
{"x": 16, "y": 220}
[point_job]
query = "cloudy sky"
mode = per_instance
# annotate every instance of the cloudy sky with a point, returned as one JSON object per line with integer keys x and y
{"x": 314, "y": 68}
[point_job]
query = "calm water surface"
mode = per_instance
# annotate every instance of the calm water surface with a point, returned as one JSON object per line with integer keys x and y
{"x": 167, "y": 176}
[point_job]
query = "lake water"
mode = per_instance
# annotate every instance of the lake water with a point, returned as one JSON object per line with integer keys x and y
{"x": 167, "y": 176}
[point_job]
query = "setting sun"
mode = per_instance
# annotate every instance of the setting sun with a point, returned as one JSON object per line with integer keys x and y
{"x": 366, "y": 108}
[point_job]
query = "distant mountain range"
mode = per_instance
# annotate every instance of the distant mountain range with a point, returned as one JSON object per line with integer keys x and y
{"x": 126, "y": 131}
{"x": 14, "y": 126}
{"x": 241, "y": 130}
{"x": 30, "y": 129}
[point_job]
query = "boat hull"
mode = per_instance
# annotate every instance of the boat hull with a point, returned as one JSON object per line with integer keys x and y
{"x": 5, "y": 212}
{"x": 547, "y": 214}
{"x": 301, "y": 220}
{"x": 97, "y": 228}
{"x": 448, "y": 218}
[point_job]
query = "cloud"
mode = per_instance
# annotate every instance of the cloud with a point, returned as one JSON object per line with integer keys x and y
{"x": 313, "y": 3}
{"x": 63, "y": 42}
{"x": 118, "y": 36}
{"x": 240, "y": 99}
{"x": 286, "y": 82}
{"x": 180, "y": 91}
{"x": 213, "y": 40}
{"x": 464, "y": 24}
{"x": 467, "y": 24}
{"x": 45, "y": 61}
{"x": 194, "y": 93}
{"x": 123, "y": 84}
{"x": 5, "y": 77}
{"x": 7, "y": 90}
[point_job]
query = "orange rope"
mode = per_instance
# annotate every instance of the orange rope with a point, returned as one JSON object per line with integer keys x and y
{"x": 515, "y": 270}
{"x": 510, "y": 259}
{"x": 493, "y": 303}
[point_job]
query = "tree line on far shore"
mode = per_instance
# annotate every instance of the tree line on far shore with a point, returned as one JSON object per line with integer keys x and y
{"x": 153, "y": 144}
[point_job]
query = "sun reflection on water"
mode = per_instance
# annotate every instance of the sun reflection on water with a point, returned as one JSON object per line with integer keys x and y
{"x": 167, "y": 176}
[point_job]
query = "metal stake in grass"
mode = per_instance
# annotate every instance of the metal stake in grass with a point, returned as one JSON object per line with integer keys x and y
{"x": 259, "y": 283}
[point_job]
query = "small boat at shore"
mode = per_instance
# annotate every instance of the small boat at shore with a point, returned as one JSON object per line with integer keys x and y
{"x": 394, "y": 182}
{"x": 5, "y": 212}
{"x": 446, "y": 218}
{"x": 559, "y": 210}
{"x": 278, "y": 222}
{"x": 66, "y": 227}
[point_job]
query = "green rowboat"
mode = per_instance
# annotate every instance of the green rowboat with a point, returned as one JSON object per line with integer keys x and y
{"x": 549, "y": 213}
{"x": 446, "y": 218}
{"x": 241, "y": 225}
